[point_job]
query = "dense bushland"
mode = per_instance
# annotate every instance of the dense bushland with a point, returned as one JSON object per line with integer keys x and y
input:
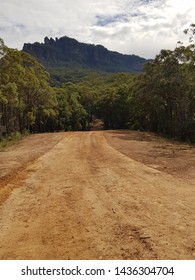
{"x": 161, "y": 99}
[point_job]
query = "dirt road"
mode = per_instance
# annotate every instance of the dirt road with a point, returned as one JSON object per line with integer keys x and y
{"x": 91, "y": 195}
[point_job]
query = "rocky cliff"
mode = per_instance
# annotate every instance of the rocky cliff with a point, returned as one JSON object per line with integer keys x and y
{"x": 68, "y": 52}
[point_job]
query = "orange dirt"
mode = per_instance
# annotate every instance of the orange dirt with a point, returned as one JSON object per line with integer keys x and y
{"x": 97, "y": 195}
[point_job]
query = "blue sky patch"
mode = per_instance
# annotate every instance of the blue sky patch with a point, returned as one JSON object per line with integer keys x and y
{"x": 104, "y": 20}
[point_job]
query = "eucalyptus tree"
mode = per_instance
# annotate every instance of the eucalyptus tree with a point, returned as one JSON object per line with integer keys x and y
{"x": 164, "y": 95}
{"x": 26, "y": 97}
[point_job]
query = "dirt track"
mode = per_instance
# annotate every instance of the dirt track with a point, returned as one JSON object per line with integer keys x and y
{"x": 97, "y": 195}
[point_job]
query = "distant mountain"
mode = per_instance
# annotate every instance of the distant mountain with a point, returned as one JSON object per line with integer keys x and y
{"x": 68, "y": 52}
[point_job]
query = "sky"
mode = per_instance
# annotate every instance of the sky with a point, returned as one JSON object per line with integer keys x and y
{"x": 140, "y": 27}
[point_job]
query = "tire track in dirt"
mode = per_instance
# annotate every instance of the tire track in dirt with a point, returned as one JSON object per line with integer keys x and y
{"x": 125, "y": 238}
{"x": 17, "y": 163}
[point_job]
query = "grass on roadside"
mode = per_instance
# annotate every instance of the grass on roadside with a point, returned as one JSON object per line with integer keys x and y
{"x": 13, "y": 139}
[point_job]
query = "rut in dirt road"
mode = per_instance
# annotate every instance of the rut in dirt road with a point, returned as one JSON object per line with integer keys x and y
{"x": 82, "y": 199}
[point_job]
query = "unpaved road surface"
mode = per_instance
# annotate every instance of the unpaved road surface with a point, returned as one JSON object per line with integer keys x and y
{"x": 97, "y": 195}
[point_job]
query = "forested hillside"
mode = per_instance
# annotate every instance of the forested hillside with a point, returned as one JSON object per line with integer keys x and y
{"x": 67, "y": 52}
{"x": 161, "y": 99}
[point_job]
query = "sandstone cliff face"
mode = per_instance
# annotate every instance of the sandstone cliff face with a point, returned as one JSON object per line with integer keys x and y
{"x": 68, "y": 52}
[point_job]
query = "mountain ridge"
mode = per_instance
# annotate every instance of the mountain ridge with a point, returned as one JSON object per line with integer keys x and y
{"x": 68, "y": 52}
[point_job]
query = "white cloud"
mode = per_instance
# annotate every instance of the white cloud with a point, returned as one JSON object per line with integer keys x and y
{"x": 141, "y": 27}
